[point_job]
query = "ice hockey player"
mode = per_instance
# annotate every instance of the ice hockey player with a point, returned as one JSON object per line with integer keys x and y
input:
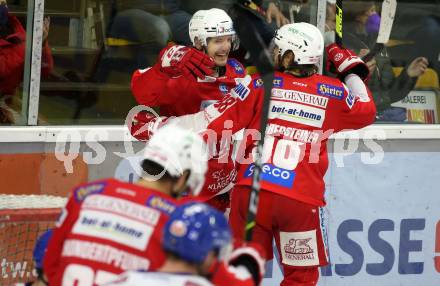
{"x": 195, "y": 239}
{"x": 109, "y": 226}
{"x": 187, "y": 79}
{"x": 305, "y": 109}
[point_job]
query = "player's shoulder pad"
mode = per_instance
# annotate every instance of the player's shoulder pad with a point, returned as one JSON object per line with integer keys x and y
{"x": 161, "y": 204}
{"x": 237, "y": 67}
{"x": 81, "y": 192}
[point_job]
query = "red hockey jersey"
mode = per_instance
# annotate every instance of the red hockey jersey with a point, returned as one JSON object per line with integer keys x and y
{"x": 106, "y": 228}
{"x": 303, "y": 113}
{"x": 180, "y": 96}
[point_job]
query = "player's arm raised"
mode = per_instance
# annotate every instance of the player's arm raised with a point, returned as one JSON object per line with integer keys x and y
{"x": 359, "y": 110}
{"x": 176, "y": 67}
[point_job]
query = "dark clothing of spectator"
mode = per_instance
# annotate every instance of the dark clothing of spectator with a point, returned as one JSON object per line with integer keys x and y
{"x": 12, "y": 51}
{"x": 155, "y": 12}
{"x": 385, "y": 87}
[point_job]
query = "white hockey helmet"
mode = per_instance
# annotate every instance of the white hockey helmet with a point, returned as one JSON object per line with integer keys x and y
{"x": 211, "y": 23}
{"x": 177, "y": 150}
{"x": 303, "y": 39}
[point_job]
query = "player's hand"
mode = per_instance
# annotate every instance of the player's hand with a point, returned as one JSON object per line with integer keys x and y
{"x": 190, "y": 62}
{"x": 344, "y": 61}
{"x": 371, "y": 64}
{"x": 145, "y": 124}
{"x": 273, "y": 12}
{"x": 417, "y": 67}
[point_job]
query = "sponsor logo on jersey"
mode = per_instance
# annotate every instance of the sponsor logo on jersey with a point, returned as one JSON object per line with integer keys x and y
{"x": 258, "y": 83}
{"x": 82, "y": 192}
{"x": 105, "y": 254}
{"x": 124, "y": 207}
{"x": 301, "y": 97}
{"x": 331, "y": 90}
{"x": 161, "y": 204}
{"x": 278, "y": 81}
{"x": 105, "y": 225}
{"x": 274, "y": 175}
{"x": 299, "y": 248}
{"x": 350, "y": 100}
{"x": 297, "y": 113}
{"x": 223, "y": 88}
{"x": 236, "y": 65}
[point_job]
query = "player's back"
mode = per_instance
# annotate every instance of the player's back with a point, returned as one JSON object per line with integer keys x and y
{"x": 303, "y": 113}
{"x": 135, "y": 278}
{"x": 109, "y": 227}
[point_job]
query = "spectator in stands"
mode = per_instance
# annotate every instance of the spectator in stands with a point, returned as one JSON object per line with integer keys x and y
{"x": 164, "y": 18}
{"x": 417, "y": 22}
{"x": 12, "y": 52}
{"x": 330, "y": 22}
{"x": 272, "y": 8}
{"x": 137, "y": 31}
{"x": 359, "y": 18}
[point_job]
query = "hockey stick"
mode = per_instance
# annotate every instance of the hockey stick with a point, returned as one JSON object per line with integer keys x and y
{"x": 247, "y": 25}
{"x": 338, "y": 27}
{"x": 386, "y": 24}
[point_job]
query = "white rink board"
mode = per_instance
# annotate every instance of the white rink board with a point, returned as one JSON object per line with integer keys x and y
{"x": 382, "y": 230}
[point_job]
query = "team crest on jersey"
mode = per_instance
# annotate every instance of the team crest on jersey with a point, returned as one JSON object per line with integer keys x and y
{"x": 161, "y": 204}
{"x": 331, "y": 90}
{"x": 278, "y": 81}
{"x": 258, "y": 83}
{"x": 82, "y": 192}
{"x": 238, "y": 68}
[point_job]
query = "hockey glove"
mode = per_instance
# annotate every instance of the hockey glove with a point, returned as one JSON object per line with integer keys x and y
{"x": 189, "y": 62}
{"x": 251, "y": 256}
{"x": 344, "y": 61}
{"x": 144, "y": 125}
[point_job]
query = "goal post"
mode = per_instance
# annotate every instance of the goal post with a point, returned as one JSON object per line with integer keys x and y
{"x": 22, "y": 220}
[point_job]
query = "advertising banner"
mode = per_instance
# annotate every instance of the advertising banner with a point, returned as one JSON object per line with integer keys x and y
{"x": 383, "y": 222}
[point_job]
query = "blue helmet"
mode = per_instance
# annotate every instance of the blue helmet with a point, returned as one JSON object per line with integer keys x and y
{"x": 195, "y": 229}
{"x": 40, "y": 248}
